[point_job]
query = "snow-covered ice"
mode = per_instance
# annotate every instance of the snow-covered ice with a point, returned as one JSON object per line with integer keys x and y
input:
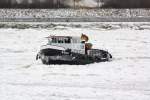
{"x": 127, "y": 77}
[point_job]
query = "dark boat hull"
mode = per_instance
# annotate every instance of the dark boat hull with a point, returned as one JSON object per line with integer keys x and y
{"x": 53, "y": 56}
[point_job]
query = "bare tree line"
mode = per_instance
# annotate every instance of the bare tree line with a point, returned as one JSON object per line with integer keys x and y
{"x": 74, "y": 3}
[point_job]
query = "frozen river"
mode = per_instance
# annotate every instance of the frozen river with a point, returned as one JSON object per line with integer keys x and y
{"x": 127, "y": 77}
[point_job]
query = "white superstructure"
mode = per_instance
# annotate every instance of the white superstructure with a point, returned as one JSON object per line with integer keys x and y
{"x": 75, "y": 44}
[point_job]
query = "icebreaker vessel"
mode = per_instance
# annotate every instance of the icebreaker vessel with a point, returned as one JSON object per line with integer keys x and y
{"x": 71, "y": 50}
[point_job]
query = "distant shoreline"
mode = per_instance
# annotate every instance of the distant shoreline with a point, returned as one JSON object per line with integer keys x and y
{"x": 74, "y": 15}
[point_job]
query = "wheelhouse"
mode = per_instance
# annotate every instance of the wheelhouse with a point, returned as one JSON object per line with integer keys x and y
{"x": 67, "y": 42}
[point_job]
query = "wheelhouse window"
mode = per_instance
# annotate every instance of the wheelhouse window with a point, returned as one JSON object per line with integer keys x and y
{"x": 67, "y": 40}
{"x": 54, "y": 40}
{"x": 61, "y": 40}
